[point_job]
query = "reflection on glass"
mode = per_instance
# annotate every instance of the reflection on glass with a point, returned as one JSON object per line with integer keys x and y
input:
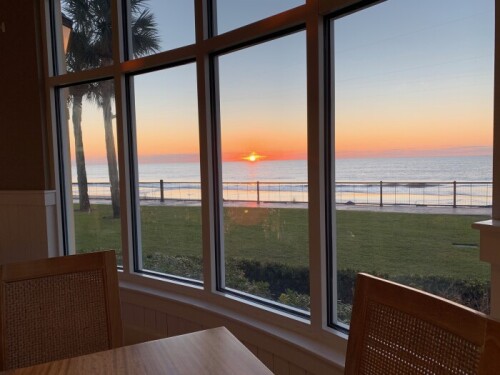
{"x": 413, "y": 139}
{"x": 94, "y": 168}
{"x": 166, "y": 113}
{"x": 159, "y": 25}
{"x": 264, "y": 170}
{"x": 232, "y": 14}
{"x": 86, "y": 34}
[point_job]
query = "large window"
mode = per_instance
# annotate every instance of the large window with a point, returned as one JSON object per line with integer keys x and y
{"x": 168, "y": 170}
{"x": 261, "y": 166}
{"x": 264, "y": 170}
{"x": 413, "y": 146}
{"x": 90, "y": 163}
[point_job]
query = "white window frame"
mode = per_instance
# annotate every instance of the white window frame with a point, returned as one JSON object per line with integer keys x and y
{"x": 312, "y": 16}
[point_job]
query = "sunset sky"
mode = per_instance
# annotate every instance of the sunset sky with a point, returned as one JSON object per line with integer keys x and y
{"x": 412, "y": 78}
{"x": 415, "y": 78}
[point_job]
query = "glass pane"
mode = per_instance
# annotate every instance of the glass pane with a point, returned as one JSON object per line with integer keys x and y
{"x": 91, "y": 128}
{"x": 166, "y": 113}
{"x": 86, "y": 34}
{"x": 413, "y": 146}
{"x": 232, "y": 14}
{"x": 264, "y": 170}
{"x": 159, "y": 25}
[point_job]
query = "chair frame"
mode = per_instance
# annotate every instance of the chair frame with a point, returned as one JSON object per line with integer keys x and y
{"x": 471, "y": 325}
{"x": 104, "y": 261}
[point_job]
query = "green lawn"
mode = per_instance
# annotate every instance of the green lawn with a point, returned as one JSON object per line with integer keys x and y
{"x": 419, "y": 244}
{"x": 390, "y": 243}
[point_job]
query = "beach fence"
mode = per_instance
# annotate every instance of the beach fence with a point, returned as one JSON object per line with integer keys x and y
{"x": 378, "y": 193}
{"x": 436, "y": 193}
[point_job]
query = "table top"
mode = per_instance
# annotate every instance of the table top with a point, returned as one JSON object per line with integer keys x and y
{"x": 213, "y": 351}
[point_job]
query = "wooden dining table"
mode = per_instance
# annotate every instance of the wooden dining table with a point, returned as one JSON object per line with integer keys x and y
{"x": 212, "y": 351}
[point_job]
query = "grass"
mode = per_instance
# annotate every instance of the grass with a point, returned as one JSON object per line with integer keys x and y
{"x": 417, "y": 244}
{"x": 389, "y": 243}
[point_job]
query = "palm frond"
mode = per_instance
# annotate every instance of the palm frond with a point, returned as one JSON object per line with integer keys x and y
{"x": 145, "y": 37}
{"x": 91, "y": 39}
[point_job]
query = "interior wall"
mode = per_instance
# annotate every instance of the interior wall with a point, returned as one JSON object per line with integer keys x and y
{"x": 28, "y": 213}
{"x": 28, "y": 225}
{"x": 23, "y": 151}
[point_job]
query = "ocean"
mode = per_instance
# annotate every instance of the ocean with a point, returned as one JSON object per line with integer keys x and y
{"x": 464, "y": 168}
{"x": 410, "y": 180}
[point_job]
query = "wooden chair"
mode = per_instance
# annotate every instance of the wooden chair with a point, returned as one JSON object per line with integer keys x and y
{"x": 400, "y": 330}
{"x": 58, "y": 308}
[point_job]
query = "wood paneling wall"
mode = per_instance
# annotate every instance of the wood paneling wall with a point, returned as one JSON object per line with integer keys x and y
{"x": 28, "y": 225}
{"x": 23, "y": 143}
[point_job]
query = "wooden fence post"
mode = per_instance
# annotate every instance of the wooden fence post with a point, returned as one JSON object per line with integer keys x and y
{"x": 454, "y": 194}
{"x": 381, "y": 200}
{"x": 258, "y": 192}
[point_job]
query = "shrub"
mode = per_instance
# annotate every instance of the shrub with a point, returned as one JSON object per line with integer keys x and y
{"x": 236, "y": 279}
{"x": 185, "y": 266}
{"x": 192, "y": 267}
{"x": 292, "y": 298}
{"x": 290, "y": 284}
{"x": 280, "y": 277}
{"x": 471, "y": 293}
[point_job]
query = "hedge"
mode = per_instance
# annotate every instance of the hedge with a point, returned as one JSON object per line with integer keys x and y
{"x": 290, "y": 284}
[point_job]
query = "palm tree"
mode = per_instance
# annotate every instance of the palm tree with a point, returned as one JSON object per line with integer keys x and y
{"x": 78, "y": 58}
{"x": 76, "y": 94}
{"x": 95, "y": 22}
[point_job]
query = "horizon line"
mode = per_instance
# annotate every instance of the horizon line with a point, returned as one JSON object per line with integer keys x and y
{"x": 349, "y": 154}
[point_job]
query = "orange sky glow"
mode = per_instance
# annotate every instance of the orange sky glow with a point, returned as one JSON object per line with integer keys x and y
{"x": 351, "y": 142}
{"x": 372, "y": 132}
{"x": 404, "y": 86}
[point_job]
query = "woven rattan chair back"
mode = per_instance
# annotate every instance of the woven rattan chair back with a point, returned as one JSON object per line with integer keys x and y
{"x": 397, "y": 330}
{"x": 58, "y": 308}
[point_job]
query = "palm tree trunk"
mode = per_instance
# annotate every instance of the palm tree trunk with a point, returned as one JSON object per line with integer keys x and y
{"x": 83, "y": 194}
{"x": 110, "y": 151}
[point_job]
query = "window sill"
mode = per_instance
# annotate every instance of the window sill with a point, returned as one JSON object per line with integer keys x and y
{"x": 489, "y": 238}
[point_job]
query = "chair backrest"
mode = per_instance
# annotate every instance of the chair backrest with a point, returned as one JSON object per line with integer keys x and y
{"x": 400, "y": 330}
{"x": 58, "y": 308}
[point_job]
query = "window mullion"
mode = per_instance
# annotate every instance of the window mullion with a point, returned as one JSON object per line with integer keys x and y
{"x": 125, "y": 144}
{"x": 328, "y": 7}
{"x": 496, "y": 120}
{"x": 122, "y": 139}
{"x": 118, "y": 38}
{"x": 208, "y": 181}
{"x": 316, "y": 162}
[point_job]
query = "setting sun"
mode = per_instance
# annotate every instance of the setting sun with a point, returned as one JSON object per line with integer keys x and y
{"x": 253, "y": 156}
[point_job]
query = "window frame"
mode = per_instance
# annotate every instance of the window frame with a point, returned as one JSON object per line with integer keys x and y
{"x": 135, "y": 207}
{"x": 314, "y": 16}
{"x": 329, "y": 170}
{"x": 332, "y": 286}
{"x": 217, "y": 145}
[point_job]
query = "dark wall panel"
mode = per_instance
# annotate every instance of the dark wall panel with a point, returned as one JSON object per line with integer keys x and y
{"x": 23, "y": 151}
